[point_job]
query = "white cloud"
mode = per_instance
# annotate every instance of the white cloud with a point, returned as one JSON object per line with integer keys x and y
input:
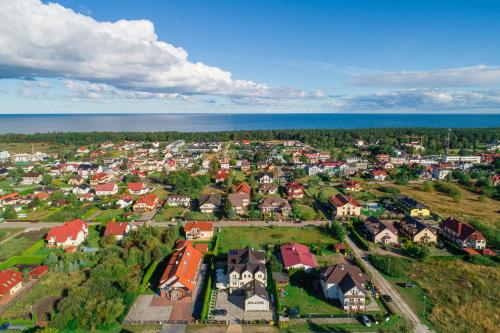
{"x": 49, "y": 40}
{"x": 422, "y": 100}
{"x": 455, "y": 77}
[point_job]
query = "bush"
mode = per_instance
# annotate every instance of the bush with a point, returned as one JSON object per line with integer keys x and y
{"x": 481, "y": 260}
{"x": 147, "y": 276}
{"x": 389, "y": 189}
{"x": 359, "y": 240}
{"x": 417, "y": 251}
{"x": 391, "y": 266}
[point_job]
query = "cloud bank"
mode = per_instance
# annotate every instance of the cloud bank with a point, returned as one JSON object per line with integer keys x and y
{"x": 49, "y": 40}
{"x": 456, "y": 77}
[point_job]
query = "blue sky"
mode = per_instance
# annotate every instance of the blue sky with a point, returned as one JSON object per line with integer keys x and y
{"x": 249, "y": 56}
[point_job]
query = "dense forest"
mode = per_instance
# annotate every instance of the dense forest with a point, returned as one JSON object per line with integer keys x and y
{"x": 434, "y": 138}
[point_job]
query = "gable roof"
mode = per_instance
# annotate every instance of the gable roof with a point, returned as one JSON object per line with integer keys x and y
{"x": 375, "y": 226}
{"x": 108, "y": 187}
{"x": 464, "y": 230}
{"x": 243, "y": 188}
{"x": 149, "y": 200}
{"x": 340, "y": 200}
{"x": 201, "y": 225}
{"x": 295, "y": 254}
{"x": 116, "y": 229}
{"x": 8, "y": 279}
{"x": 136, "y": 187}
{"x": 344, "y": 275}
{"x": 182, "y": 267}
{"x": 69, "y": 229}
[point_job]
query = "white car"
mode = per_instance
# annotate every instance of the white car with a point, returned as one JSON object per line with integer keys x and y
{"x": 366, "y": 321}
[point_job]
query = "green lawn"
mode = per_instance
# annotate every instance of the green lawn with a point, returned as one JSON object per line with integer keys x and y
{"x": 5, "y": 233}
{"x": 67, "y": 213}
{"x": 258, "y": 237}
{"x": 21, "y": 242}
{"x": 169, "y": 213}
{"x": 305, "y": 212}
{"x": 108, "y": 215}
{"x": 308, "y": 302}
{"x": 322, "y": 193}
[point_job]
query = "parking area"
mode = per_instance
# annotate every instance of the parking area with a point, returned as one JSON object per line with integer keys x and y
{"x": 145, "y": 310}
{"x": 234, "y": 307}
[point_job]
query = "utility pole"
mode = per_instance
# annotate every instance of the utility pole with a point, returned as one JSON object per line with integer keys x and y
{"x": 448, "y": 142}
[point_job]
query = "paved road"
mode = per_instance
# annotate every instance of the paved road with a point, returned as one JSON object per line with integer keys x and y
{"x": 386, "y": 288}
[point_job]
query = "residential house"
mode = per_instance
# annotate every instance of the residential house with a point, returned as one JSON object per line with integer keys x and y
{"x": 344, "y": 282}
{"x": 379, "y": 175}
{"x": 313, "y": 170}
{"x": 146, "y": 203}
{"x": 265, "y": 178}
{"x": 178, "y": 201}
{"x": 106, "y": 189}
{"x": 239, "y": 202}
{"x": 245, "y": 266}
{"x": 221, "y": 176}
{"x": 416, "y": 231}
{"x": 86, "y": 169}
{"x": 69, "y": 235}
{"x": 137, "y": 188}
{"x": 87, "y": 197}
{"x": 243, "y": 188}
{"x": 352, "y": 186}
{"x": 11, "y": 282}
{"x": 209, "y": 203}
{"x": 82, "y": 189}
{"x": 411, "y": 206}
{"x": 125, "y": 201}
{"x": 31, "y": 178}
{"x": 245, "y": 166}
{"x": 75, "y": 181}
{"x": 462, "y": 234}
{"x": 199, "y": 230}
{"x": 117, "y": 229}
{"x": 275, "y": 205}
{"x": 100, "y": 178}
{"x": 297, "y": 256}
{"x": 179, "y": 278}
{"x": 256, "y": 296}
{"x": 381, "y": 231}
{"x": 37, "y": 272}
{"x": 267, "y": 188}
{"x": 295, "y": 190}
{"x": 344, "y": 205}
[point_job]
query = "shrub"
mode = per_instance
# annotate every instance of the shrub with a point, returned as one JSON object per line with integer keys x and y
{"x": 481, "y": 260}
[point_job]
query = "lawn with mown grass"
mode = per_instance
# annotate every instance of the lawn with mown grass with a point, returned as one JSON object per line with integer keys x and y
{"x": 258, "y": 237}
{"x": 169, "y": 213}
{"x": 16, "y": 245}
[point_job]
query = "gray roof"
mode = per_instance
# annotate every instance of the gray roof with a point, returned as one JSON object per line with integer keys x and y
{"x": 256, "y": 287}
{"x": 241, "y": 260}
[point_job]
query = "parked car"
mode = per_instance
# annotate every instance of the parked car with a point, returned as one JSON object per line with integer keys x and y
{"x": 366, "y": 321}
{"x": 387, "y": 298}
{"x": 220, "y": 312}
{"x": 408, "y": 285}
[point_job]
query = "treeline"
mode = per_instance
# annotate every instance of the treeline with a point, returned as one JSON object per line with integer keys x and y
{"x": 434, "y": 138}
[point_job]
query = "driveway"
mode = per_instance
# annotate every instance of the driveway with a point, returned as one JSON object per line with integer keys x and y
{"x": 386, "y": 288}
{"x": 234, "y": 305}
{"x": 143, "y": 311}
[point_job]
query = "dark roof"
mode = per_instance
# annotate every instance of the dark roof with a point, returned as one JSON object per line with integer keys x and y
{"x": 336, "y": 273}
{"x": 241, "y": 260}
{"x": 412, "y": 225}
{"x": 256, "y": 287}
{"x": 214, "y": 199}
{"x": 409, "y": 202}
{"x": 464, "y": 230}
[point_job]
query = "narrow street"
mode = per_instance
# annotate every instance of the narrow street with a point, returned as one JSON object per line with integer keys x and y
{"x": 386, "y": 288}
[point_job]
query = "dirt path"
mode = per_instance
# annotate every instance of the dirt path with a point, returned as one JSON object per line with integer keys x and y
{"x": 386, "y": 288}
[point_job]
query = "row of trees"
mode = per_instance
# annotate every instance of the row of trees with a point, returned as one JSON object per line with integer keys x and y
{"x": 342, "y": 138}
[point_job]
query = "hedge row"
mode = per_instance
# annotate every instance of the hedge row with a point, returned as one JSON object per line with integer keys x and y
{"x": 208, "y": 291}
{"x": 359, "y": 240}
{"x": 33, "y": 248}
{"x": 22, "y": 260}
{"x": 147, "y": 276}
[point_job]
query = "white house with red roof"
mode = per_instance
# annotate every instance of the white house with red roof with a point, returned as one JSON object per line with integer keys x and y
{"x": 106, "y": 189}
{"x": 70, "y": 234}
{"x": 117, "y": 229}
{"x": 462, "y": 234}
{"x": 125, "y": 201}
{"x": 146, "y": 203}
{"x": 295, "y": 190}
{"x": 10, "y": 283}
{"x": 137, "y": 188}
{"x": 344, "y": 205}
{"x": 379, "y": 175}
{"x": 297, "y": 256}
{"x": 199, "y": 230}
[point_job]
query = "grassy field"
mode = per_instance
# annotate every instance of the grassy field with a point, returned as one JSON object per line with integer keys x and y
{"x": 25, "y": 147}
{"x": 461, "y": 297}
{"x": 258, "y": 237}
{"x": 108, "y": 215}
{"x": 168, "y": 213}
{"x": 19, "y": 243}
{"x": 43, "y": 295}
{"x": 6, "y": 233}
{"x": 469, "y": 207}
{"x": 322, "y": 193}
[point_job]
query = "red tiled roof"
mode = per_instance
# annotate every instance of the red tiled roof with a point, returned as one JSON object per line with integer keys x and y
{"x": 183, "y": 266}
{"x": 68, "y": 229}
{"x": 295, "y": 254}
{"x": 463, "y": 230}
{"x": 8, "y": 279}
{"x": 201, "y": 225}
{"x": 243, "y": 187}
{"x": 341, "y": 200}
{"x": 108, "y": 187}
{"x": 116, "y": 229}
{"x": 149, "y": 200}
{"x": 136, "y": 187}
{"x": 39, "y": 270}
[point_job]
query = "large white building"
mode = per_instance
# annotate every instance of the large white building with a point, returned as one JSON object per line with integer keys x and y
{"x": 461, "y": 159}
{"x": 344, "y": 282}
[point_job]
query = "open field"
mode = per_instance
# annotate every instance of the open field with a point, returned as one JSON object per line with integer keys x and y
{"x": 43, "y": 295}
{"x": 25, "y": 147}
{"x": 258, "y": 237}
{"x": 469, "y": 207}
{"x": 16, "y": 245}
{"x": 460, "y": 295}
